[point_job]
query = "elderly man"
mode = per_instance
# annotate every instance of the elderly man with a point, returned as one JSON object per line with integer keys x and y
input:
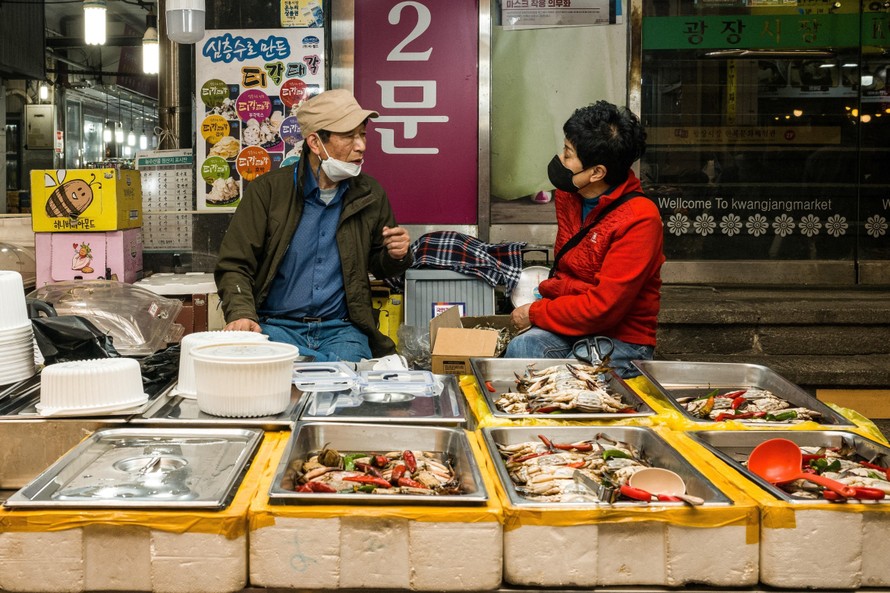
{"x": 294, "y": 263}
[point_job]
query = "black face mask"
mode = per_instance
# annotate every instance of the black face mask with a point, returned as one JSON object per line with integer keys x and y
{"x": 561, "y": 176}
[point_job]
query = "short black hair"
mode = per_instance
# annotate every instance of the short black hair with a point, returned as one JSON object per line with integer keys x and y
{"x": 604, "y": 134}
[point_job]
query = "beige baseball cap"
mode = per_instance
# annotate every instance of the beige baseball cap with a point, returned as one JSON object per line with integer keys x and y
{"x": 334, "y": 111}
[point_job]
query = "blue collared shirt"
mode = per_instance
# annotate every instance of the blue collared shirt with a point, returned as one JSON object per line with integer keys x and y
{"x": 309, "y": 282}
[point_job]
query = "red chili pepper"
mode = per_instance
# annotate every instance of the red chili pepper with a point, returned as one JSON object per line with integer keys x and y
{"x": 574, "y": 446}
{"x": 410, "y": 460}
{"x": 870, "y": 465}
{"x": 546, "y": 441}
{"x": 368, "y": 469}
{"x": 727, "y": 416}
{"x": 737, "y": 402}
{"x": 546, "y": 410}
{"x": 734, "y": 394}
{"x": 627, "y": 411}
{"x": 408, "y": 482}
{"x": 397, "y": 472}
{"x": 320, "y": 487}
{"x": 368, "y": 480}
{"x": 490, "y": 387}
{"x": 576, "y": 464}
{"x": 304, "y": 488}
{"x": 380, "y": 460}
{"x": 522, "y": 458}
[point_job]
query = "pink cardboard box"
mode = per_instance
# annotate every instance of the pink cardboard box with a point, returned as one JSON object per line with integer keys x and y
{"x": 112, "y": 255}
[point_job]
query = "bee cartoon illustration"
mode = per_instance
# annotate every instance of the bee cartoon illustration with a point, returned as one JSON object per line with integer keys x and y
{"x": 83, "y": 257}
{"x": 69, "y": 198}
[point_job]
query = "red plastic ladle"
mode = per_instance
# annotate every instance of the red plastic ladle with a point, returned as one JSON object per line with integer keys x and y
{"x": 780, "y": 460}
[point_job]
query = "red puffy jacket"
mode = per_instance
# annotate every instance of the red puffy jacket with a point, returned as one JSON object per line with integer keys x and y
{"x": 609, "y": 284}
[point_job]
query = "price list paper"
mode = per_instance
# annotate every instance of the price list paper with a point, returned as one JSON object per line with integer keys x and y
{"x": 168, "y": 192}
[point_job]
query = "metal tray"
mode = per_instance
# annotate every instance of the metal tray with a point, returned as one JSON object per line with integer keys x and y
{"x": 145, "y": 468}
{"x": 651, "y": 446}
{"x": 734, "y": 447}
{"x": 309, "y": 437}
{"x": 176, "y": 410}
{"x": 19, "y": 402}
{"x": 500, "y": 372}
{"x": 445, "y": 409}
{"x": 675, "y": 379}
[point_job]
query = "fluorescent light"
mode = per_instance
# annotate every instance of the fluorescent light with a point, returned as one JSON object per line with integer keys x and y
{"x": 43, "y": 92}
{"x": 150, "y": 56}
{"x": 94, "y": 22}
{"x": 849, "y": 65}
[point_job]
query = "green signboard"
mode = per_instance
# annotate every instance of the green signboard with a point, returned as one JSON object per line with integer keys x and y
{"x": 775, "y": 31}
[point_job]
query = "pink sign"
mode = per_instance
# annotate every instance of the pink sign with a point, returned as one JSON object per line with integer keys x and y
{"x": 415, "y": 63}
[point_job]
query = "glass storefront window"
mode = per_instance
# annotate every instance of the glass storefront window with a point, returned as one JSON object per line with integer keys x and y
{"x": 768, "y": 128}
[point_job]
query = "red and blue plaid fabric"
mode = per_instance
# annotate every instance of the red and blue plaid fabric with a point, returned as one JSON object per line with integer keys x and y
{"x": 498, "y": 264}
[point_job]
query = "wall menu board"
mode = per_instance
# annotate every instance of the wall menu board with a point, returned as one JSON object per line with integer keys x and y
{"x": 249, "y": 88}
{"x": 167, "y": 187}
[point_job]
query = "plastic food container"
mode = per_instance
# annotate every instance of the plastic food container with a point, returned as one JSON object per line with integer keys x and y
{"x": 186, "y": 384}
{"x": 13, "y": 313}
{"x": 87, "y": 387}
{"x": 243, "y": 380}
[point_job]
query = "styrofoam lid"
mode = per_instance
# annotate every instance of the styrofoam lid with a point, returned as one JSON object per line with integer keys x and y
{"x": 178, "y": 284}
{"x": 251, "y": 352}
{"x": 524, "y": 293}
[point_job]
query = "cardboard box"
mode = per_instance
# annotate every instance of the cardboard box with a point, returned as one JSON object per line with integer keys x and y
{"x": 78, "y": 200}
{"x": 453, "y": 345}
{"x": 115, "y": 255}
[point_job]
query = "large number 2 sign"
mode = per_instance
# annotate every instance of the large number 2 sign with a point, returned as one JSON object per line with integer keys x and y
{"x": 415, "y": 63}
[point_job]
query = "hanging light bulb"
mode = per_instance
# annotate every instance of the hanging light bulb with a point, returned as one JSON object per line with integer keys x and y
{"x": 118, "y": 125}
{"x": 94, "y": 22}
{"x": 106, "y": 132}
{"x": 150, "y": 56}
{"x": 185, "y": 20}
{"x": 131, "y": 137}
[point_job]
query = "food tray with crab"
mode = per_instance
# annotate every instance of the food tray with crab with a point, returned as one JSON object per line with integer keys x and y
{"x": 537, "y": 465}
{"x": 840, "y": 455}
{"x": 565, "y": 389}
{"x": 378, "y": 464}
{"x": 755, "y": 395}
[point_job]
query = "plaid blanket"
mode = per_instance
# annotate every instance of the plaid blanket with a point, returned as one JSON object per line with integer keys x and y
{"x": 497, "y": 264}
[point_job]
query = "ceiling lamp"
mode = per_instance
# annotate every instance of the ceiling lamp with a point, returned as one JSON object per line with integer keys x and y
{"x": 185, "y": 20}
{"x": 150, "y": 56}
{"x": 94, "y": 22}
{"x": 143, "y": 139}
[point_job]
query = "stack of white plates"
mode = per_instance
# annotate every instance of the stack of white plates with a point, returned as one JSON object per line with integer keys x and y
{"x": 244, "y": 380}
{"x": 90, "y": 387}
{"x": 16, "y": 337}
{"x": 185, "y": 386}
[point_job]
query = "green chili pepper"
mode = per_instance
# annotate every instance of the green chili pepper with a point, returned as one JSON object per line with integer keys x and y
{"x": 711, "y": 394}
{"x": 781, "y": 416}
{"x": 349, "y": 461}
{"x": 610, "y": 453}
{"x": 367, "y": 488}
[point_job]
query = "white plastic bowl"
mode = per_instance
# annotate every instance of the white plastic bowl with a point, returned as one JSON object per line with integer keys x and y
{"x": 14, "y": 312}
{"x": 244, "y": 380}
{"x": 89, "y": 385}
{"x": 185, "y": 386}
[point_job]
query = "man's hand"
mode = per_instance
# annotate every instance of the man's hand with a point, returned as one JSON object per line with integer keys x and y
{"x": 244, "y": 325}
{"x": 396, "y": 241}
{"x": 520, "y": 317}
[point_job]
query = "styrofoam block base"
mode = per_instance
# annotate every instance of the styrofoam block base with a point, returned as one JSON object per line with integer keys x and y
{"x": 876, "y": 549}
{"x": 121, "y": 558}
{"x": 639, "y": 553}
{"x": 375, "y": 553}
{"x": 823, "y": 550}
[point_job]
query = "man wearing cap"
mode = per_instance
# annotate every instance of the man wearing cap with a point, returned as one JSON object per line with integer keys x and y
{"x": 294, "y": 262}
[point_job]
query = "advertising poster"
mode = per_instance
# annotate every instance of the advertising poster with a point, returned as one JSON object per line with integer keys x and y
{"x": 527, "y": 14}
{"x": 249, "y": 86}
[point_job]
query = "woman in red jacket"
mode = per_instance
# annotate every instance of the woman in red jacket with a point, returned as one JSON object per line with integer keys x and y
{"x": 606, "y": 277}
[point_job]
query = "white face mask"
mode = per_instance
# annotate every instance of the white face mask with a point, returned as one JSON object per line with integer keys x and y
{"x": 337, "y": 170}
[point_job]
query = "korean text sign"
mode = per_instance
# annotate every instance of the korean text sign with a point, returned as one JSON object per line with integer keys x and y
{"x": 416, "y": 64}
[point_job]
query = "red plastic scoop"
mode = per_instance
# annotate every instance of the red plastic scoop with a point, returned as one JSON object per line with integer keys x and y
{"x": 780, "y": 460}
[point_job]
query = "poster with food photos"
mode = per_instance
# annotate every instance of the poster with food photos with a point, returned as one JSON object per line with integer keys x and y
{"x": 249, "y": 85}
